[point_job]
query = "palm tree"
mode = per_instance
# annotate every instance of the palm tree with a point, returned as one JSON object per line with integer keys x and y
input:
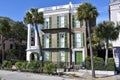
{"x": 4, "y": 30}
{"x": 107, "y": 31}
{"x": 35, "y": 18}
{"x": 87, "y": 12}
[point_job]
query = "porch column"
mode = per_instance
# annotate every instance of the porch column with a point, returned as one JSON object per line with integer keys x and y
{"x": 28, "y": 56}
{"x": 35, "y": 57}
{"x": 73, "y": 56}
{"x": 29, "y": 37}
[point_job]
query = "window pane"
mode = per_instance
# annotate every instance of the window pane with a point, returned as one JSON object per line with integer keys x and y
{"x": 62, "y": 56}
{"x": 46, "y": 38}
{"x": 46, "y": 56}
{"x": 78, "y": 40}
{"x": 62, "y": 40}
{"x": 61, "y": 21}
{"x": 46, "y": 23}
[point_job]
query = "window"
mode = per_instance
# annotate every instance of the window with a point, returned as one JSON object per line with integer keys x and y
{"x": 77, "y": 23}
{"x": 62, "y": 56}
{"x": 46, "y": 42}
{"x": 11, "y": 46}
{"x": 46, "y": 56}
{"x": 32, "y": 39}
{"x": 77, "y": 40}
{"x": 47, "y": 23}
{"x": 62, "y": 40}
{"x": 61, "y": 21}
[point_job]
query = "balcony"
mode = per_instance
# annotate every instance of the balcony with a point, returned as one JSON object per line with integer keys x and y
{"x": 55, "y": 49}
{"x": 55, "y": 29}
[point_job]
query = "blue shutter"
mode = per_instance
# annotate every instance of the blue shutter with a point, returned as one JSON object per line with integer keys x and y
{"x": 57, "y": 40}
{"x": 74, "y": 45}
{"x": 43, "y": 41}
{"x": 50, "y": 40}
{"x": 66, "y": 58}
{"x": 82, "y": 39}
{"x": 58, "y": 57}
{"x": 65, "y": 21}
{"x": 50, "y": 56}
{"x": 66, "y": 41}
{"x": 57, "y": 21}
{"x": 50, "y": 22}
{"x": 73, "y": 21}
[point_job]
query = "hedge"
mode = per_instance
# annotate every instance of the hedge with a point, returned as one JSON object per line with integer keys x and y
{"x": 7, "y": 64}
{"x": 100, "y": 65}
{"x": 49, "y": 68}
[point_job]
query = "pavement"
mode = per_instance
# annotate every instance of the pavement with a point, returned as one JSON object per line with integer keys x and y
{"x": 15, "y": 75}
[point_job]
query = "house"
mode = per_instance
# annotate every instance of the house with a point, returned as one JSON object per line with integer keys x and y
{"x": 63, "y": 37}
{"x": 114, "y": 14}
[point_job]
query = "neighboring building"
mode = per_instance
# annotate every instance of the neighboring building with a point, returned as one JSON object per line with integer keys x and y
{"x": 114, "y": 14}
{"x": 63, "y": 37}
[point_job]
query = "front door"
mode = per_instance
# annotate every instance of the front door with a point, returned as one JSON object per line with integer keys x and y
{"x": 78, "y": 57}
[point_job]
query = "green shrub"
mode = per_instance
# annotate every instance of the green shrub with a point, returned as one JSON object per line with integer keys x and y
{"x": 33, "y": 66}
{"x": 24, "y": 65}
{"x": 111, "y": 65}
{"x": 18, "y": 65}
{"x": 7, "y": 64}
{"x": 49, "y": 68}
{"x": 99, "y": 64}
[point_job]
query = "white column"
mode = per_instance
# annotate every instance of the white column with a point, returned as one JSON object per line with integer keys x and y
{"x": 29, "y": 37}
{"x": 36, "y": 38}
{"x": 73, "y": 56}
{"x": 28, "y": 56}
{"x": 35, "y": 57}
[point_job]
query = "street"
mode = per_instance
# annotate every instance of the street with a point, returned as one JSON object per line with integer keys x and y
{"x": 15, "y": 75}
{"x": 9, "y": 75}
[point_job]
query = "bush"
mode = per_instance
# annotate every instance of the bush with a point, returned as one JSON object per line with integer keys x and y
{"x": 7, "y": 64}
{"x": 19, "y": 65}
{"x": 49, "y": 68}
{"x": 24, "y": 65}
{"x": 111, "y": 65}
{"x": 33, "y": 66}
{"x": 100, "y": 65}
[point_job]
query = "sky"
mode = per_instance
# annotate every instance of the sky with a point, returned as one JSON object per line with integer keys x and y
{"x": 16, "y": 9}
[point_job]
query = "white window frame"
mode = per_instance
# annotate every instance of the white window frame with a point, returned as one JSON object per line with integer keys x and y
{"x": 62, "y": 40}
{"x": 61, "y": 21}
{"x": 62, "y": 55}
{"x": 47, "y": 22}
{"x": 78, "y": 40}
{"x": 77, "y": 23}
{"x": 46, "y": 56}
{"x": 46, "y": 40}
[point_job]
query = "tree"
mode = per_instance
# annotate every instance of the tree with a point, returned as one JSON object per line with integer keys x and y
{"x": 4, "y": 31}
{"x": 35, "y": 18}
{"x": 87, "y": 12}
{"x": 18, "y": 34}
{"x": 107, "y": 31}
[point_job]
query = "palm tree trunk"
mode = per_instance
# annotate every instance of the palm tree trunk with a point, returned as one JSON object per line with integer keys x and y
{"x": 91, "y": 53}
{"x": 2, "y": 49}
{"x": 40, "y": 48}
{"x": 106, "y": 55}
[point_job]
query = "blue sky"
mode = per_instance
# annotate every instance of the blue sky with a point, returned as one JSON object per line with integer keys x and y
{"x": 16, "y": 9}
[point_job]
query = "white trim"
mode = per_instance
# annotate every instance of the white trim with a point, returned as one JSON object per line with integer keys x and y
{"x": 73, "y": 54}
{"x": 53, "y": 13}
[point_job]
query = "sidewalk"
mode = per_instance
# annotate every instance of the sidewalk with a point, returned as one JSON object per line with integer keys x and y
{"x": 9, "y": 75}
{"x": 88, "y": 76}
